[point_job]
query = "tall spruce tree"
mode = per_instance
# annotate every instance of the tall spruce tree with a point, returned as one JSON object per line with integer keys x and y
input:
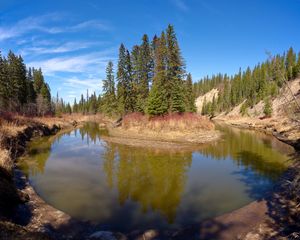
{"x": 121, "y": 77}
{"x": 158, "y": 101}
{"x": 175, "y": 73}
{"x": 146, "y": 69}
{"x": 109, "y": 97}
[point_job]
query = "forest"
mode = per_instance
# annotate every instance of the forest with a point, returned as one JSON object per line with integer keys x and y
{"x": 23, "y": 90}
{"x": 263, "y": 82}
{"x": 150, "y": 79}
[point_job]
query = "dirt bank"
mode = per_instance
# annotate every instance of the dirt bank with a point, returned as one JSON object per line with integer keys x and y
{"x": 13, "y": 139}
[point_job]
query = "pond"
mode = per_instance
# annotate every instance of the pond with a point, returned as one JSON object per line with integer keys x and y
{"x": 125, "y": 188}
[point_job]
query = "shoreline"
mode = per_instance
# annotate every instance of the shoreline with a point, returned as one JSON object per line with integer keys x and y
{"x": 239, "y": 223}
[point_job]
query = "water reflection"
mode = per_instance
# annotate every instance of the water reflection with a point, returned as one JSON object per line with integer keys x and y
{"x": 251, "y": 150}
{"x": 153, "y": 178}
{"x": 132, "y": 187}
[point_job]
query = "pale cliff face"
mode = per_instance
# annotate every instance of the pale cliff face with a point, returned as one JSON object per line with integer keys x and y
{"x": 208, "y": 96}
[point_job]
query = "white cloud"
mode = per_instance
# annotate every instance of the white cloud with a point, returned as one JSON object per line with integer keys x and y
{"x": 62, "y": 48}
{"x": 26, "y": 25}
{"x": 87, "y": 63}
{"x": 41, "y": 24}
{"x": 78, "y": 86}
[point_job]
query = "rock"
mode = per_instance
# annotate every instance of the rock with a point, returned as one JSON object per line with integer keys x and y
{"x": 150, "y": 234}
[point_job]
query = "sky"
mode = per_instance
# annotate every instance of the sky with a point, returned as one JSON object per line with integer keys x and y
{"x": 73, "y": 40}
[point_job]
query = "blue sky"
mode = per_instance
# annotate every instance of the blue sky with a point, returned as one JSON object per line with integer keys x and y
{"x": 73, "y": 40}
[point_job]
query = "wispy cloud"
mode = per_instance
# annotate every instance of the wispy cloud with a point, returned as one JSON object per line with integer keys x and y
{"x": 92, "y": 24}
{"x": 89, "y": 83}
{"x": 84, "y": 63}
{"x": 61, "y": 48}
{"x": 44, "y": 24}
{"x": 28, "y": 24}
{"x": 78, "y": 86}
{"x": 181, "y": 5}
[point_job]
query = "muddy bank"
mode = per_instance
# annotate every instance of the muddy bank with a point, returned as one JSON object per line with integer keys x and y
{"x": 12, "y": 195}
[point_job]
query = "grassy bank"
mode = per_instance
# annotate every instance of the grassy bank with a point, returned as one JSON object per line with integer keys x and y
{"x": 185, "y": 128}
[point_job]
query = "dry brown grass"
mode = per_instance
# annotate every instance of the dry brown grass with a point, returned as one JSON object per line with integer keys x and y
{"x": 173, "y": 122}
{"x": 5, "y": 161}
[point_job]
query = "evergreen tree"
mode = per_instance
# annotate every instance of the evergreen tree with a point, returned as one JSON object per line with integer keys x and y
{"x": 146, "y": 69}
{"x": 290, "y": 63}
{"x": 267, "y": 107}
{"x": 17, "y": 82}
{"x": 136, "y": 78}
{"x": 31, "y": 94}
{"x": 121, "y": 77}
{"x": 190, "y": 97}
{"x": 109, "y": 97}
{"x": 158, "y": 102}
{"x": 175, "y": 73}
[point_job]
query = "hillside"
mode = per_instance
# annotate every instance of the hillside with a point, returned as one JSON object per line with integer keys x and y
{"x": 284, "y": 119}
{"x": 208, "y": 97}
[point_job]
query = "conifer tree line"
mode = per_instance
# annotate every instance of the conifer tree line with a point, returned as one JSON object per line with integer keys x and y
{"x": 151, "y": 79}
{"x": 253, "y": 85}
{"x": 22, "y": 89}
{"x": 87, "y": 105}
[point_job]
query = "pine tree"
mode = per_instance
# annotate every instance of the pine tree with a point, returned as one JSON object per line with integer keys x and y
{"x": 17, "y": 82}
{"x": 190, "y": 96}
{"x": 38, "y": 80}
{"x": 146, "y": 69}
{"x": 136, "y": 78}
{"x": 31, "y": 94}
{"x": 75, "y": 106}
{"x": 129, "y": 100}
{"x": 158, "y": 102}
{"x": 121, "y": 77}
{"x": 109, "y": 96}
{"x": 290, "y": 63}
{"x": 175, "y": 73}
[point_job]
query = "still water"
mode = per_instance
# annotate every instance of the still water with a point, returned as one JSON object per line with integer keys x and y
{"x": 126, "y": 188}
